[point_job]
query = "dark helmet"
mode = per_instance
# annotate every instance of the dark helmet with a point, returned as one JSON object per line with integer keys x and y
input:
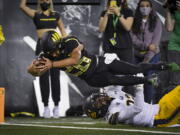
{"x": 96, "y": 105}
{"x": 50, "y": 41}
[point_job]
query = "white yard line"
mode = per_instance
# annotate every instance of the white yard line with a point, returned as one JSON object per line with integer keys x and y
{"x": 86, "y": 128}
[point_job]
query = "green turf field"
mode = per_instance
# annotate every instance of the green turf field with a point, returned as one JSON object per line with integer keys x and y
{"x": 75, "y": 126}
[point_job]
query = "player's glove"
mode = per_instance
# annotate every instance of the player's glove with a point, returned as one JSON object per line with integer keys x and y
{"x": 109, "y": 57}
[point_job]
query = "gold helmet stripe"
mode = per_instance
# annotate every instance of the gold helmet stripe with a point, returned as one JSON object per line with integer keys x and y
{"x": 55, "y": 37}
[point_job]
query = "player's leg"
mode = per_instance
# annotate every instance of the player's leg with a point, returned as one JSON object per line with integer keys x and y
{"x": 169, "y": 113}
{"x": 121, "y": 67}
{"x": 104, "y": 79}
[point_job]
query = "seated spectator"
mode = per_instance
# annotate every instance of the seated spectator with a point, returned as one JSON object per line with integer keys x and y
{"x": 146, "y": 36}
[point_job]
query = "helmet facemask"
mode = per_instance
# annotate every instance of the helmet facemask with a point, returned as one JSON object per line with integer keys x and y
{"x": 97, "y": 105}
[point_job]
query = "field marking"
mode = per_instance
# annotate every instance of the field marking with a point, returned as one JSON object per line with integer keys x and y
{"x": 86, "y": 128}
{"x": 59, "y": 122}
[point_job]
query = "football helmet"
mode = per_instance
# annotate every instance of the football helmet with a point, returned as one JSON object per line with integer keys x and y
{"x": 50, "y": 42}
{"x": 96, "y": 105}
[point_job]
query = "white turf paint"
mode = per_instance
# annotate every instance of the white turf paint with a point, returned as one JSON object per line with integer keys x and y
{"x": 30, "y": 42}
{"x": 86, "y": 128}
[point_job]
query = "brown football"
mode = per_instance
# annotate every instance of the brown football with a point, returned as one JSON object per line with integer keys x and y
{"x": 39, "y": 62}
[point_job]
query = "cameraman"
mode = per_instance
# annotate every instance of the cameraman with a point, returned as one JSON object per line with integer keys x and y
{"x": 173, "y": 25}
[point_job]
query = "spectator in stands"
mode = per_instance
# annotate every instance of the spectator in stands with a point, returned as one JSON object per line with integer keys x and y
{"x": 173, "y": 25}
{"x": 115, "y": 23}
{"x": 146, "y": 36}
{"x": 46, "y": 19}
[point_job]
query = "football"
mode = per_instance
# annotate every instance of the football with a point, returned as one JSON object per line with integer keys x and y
{"x": 33, "y": 67}
{"x": 39, "y": 62}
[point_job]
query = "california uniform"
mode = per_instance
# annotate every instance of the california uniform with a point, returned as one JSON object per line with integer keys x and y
{"x": 137, "y": 112}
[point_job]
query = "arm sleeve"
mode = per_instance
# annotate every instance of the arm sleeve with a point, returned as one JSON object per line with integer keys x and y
{"x": 155, "y": 40}
{"x": 149, "y": 55}
{"x": 157, "y": 33}
{"x": 139, "y": 96}
{"x": 137, "y": 42}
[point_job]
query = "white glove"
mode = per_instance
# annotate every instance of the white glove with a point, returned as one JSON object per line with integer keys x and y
{"x": 109, "y": 57}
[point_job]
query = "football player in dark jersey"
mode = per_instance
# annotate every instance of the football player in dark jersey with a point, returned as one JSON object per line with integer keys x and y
{"x": 69, "y": 54}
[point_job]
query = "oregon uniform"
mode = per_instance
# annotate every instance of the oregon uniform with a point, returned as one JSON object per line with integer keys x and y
{"x": 86, "y": 64}
{"x": 93, "y": 69}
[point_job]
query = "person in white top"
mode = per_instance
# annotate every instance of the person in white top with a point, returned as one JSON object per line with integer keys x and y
{"x": 118, "y": 107}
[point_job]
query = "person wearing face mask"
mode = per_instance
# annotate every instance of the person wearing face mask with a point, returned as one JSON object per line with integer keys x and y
{"x": 172, "y": 23}
{"x": 46, "y": 19}
{"x": 146, "y": 36}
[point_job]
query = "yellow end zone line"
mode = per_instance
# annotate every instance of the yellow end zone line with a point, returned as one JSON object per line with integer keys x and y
{"x": 86, "y": 128}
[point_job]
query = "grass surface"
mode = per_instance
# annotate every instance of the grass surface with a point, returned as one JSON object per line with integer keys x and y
{"x": 63, "y": 126}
